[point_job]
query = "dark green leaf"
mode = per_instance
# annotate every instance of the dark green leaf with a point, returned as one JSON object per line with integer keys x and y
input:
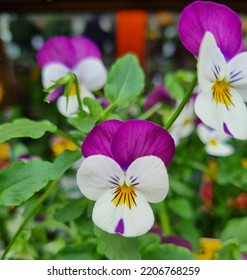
{"x": 25, "y": 128}
{"x": 72, "y": 210}
{"x": 86, "y": 251}
{"x": 125, "y": 81}
{"x": 21, "y": 180}
{"x": 64, "y": 162}
{"x": 167, "y": 252}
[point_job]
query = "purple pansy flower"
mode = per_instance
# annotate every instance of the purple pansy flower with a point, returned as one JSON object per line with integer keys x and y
{"x": 202, "y": 16}
{"x": 60, "y": 55}
{"x": 159, "y": 94}
{"x": 124, "y": 169}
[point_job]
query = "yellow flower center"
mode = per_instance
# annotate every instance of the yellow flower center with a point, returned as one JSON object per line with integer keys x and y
{"x": 186, "y": 121}
{"x": 213, "y": 142}
{"x": 124, "y": 195}
{"x": 221, "y": 92}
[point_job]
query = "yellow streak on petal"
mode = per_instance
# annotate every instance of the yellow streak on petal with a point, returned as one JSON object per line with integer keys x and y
{"x": 124, "y": 195}
{"x": 221, "y": 92}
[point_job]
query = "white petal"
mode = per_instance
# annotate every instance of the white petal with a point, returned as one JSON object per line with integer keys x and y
{"x": 92, "y": 73}
{"x": 149, "y": 176}
{"x": 237, "y": 68}
{"x": 206, "y": 109}
{"x": 210, "y": 61}
{"x": 71, "y": 109}
{"x": 221, "y": 149}
{"x": 234, "y": 117}
{"x": 129, "y": 222}
{"x": 97, "y": 175}
{"x": 203, "y": 133}
{"x": 52, "y": 72}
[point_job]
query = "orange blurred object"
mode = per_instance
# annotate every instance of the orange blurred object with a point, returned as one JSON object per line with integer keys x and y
{"x": 131, "y": 27}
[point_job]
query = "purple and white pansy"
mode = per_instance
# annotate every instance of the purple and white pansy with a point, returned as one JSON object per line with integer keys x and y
{"x": 124, "y": 169}
{"x": 213, "y": 33}
{"x": 60, "y": 55}
{"x": 220, "y": 102}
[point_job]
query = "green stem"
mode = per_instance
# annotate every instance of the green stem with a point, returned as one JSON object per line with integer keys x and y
{"x": 183, "y": 103}
{"x": 151, "y": 111}
{"x": 33, "y": 212}
{"x": 66, "y": 136}
{"x": 108, "y": 110}
{"x": 164, "y": 219}
{"x": 78, "y": 95}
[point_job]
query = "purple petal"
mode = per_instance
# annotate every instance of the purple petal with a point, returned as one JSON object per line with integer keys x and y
{"x": 53, "y": 95}
{"x": 159, "y": 94}
{"x": 138, "y": 138}
{"x": 57, "y": 49}
{"x": 244, "y": 256}
{"x": 220, "y": 20}
{"x": 120, "y": 227}
{"x": 103, "y": 101}
{"x": 227, "y": 131}
{"x": 99, "y": 139}
{"x": 177, "y": 240}
{"x": 84, "y": 48}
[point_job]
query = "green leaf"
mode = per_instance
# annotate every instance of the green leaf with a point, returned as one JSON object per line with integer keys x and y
{"x": 237, "y": 229}
{"x": 72, "y": 210}
{"x": 230, "y": 250}
{"x": 149, "y": 239}
{"x": 84, "y": 125}
{"x": 94, "y": 106}
{"x": 117, "y": 247}
{"x": 125, "y": 81}
{"x": 64, "y": 162}
{"x": 25, "y": 128}
{"x": 86, "y": 251}
{"x": 167, "y": 252}
{"x": 21, "y": 180}
{"x": 181, "y": 207}
{"x": 172, "y": 85}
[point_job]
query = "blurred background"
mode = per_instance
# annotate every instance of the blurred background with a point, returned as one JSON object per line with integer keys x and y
{"x": 147, "y": 28}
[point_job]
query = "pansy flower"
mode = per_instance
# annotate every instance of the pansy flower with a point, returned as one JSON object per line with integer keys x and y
{"x": 220, "y": 102}
{"x": 60, "y": 55}
{"x": 202, "y": 16}
{"x": 215, "y": 141}
{"x": 124, "y": 169}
